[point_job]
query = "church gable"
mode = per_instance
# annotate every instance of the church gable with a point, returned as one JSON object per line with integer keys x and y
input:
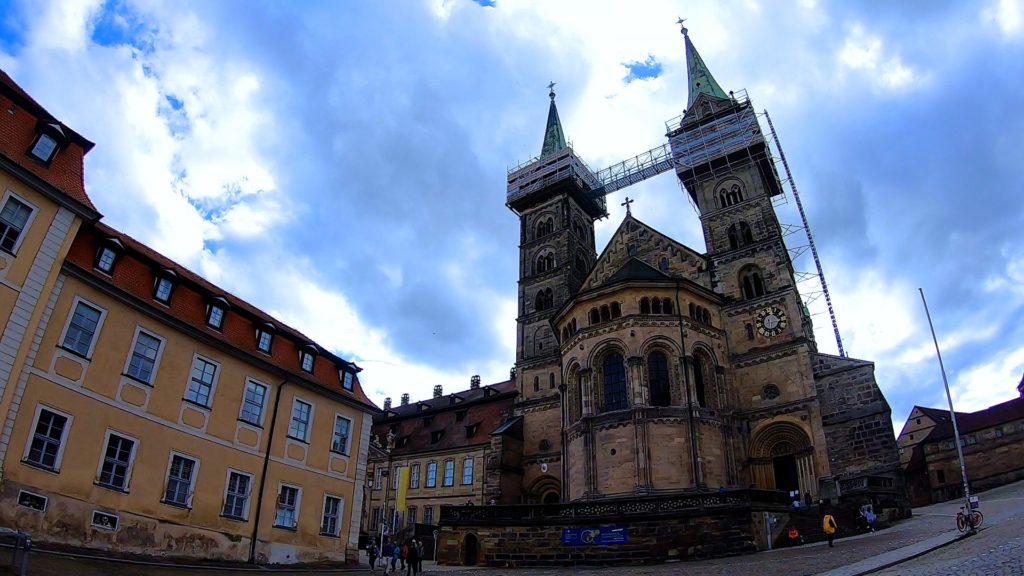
{"x": 636, "y": 241}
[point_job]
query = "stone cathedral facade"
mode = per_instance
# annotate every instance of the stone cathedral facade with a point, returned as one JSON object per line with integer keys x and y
{"x": 655, "y": 368}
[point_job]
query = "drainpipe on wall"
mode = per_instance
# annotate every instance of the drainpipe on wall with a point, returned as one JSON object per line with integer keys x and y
{"x": 263, "y": 474}
{"x": 698, "y": 480}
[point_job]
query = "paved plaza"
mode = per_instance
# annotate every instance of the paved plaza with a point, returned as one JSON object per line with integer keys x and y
{"x": 925, "y": 545}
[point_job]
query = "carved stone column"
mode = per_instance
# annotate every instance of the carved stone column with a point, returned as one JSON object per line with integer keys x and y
{"x": 587, "y": 391}
{"x": 637, "y": 390}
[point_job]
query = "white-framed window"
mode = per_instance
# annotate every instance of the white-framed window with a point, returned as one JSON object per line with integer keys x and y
{"x": 330, "y": 523}
{"x": 181, "y": 475}
{"x": 467, "y": 470}
{"x": 85, "y": 322}
{"x": 395, "y": 476}
{"x": 264, "y": 338}
{"x": 215, "y": 316}
{"x": 105, "y": 259}
{"x": 302, "y": 417}
{"x": 449, "y": 472}
{"x": 32, "y": 501}
{"x": 163, "y": 288}
{"x": 288, "y": 500}
{"x": 378, "y": 478}
{"x": 45, "y": 448}
{"x": 431, "y": 474}
{"x": 116, "y": 461}
{"x": 15, "y": 216}
{"x": 144, "y": 357}
{"x": 414, "y": 476}
{"x": 306, "y": 359}
{"x": 104, "y": 520}
{"x": 236, "y": 495}
{"x": 253, "y": 402}
{"x": 428, "y": 515}
{"x": 44, "y": 148}
{"x": 200, "y": 384}
{"x": 342, "y": 429}
{"x": 411, "y": 516}
{"x": 347, "y": 380}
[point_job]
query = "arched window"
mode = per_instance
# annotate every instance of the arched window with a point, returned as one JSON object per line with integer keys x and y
{"x": 606, "y": 314}
{"x": 581, "y": 265}
{"x": 734, "y": 238}
{"x": 536, "y": 383}
{"x": 746, "y": 234}
{"x": 655, "y": 306}
{"x": 702, "y": 375}
{"x": 645, "y": 305}
{"x": 614, "y": 368}
{"x": 572, "y": 326}
{"x": 565, "y": 333}
{"x": 730, "y": 194}
{"x": 751, "y": 282}
{"x": 657, "y": 374}
{"x": 616, "y": 310}
{"x": 545, "y": 227}
{"x": 551, "y": 380}
{"x": 706, "y": 316}
{"x": 545, "y": 299}
{"x": 666, "y": 305}
{"x": 693, "y": 310}
{"x": 595, "y": 317}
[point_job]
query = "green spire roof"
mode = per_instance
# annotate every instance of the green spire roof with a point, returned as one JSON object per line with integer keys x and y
{"x": 701, "y": 80}
{"x": 554, "y": 138}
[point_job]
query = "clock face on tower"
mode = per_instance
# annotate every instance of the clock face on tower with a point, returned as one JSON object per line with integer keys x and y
{"x": 771, "y": 321}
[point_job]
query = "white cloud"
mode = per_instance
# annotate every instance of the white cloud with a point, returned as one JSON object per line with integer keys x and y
{"x": 1007, "y": 15}
{"x": 865, "y": 52}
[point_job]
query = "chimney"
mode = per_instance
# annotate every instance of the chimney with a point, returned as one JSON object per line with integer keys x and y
{"x": 437, "y": 391}
{"x": 387, "y": 403}
{"x": 405, "y": 399}
{"x": 474, "y": 382}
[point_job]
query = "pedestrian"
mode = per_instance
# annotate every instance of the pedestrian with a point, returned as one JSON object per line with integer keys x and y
{"x": 808, "y": 500}
{"x": 371, "y": 552}
{"x": 396, "y": 553}
{"x": 405, "y": 553}
{"x": 419, "y": 555}
{"x": 794, "y": 536}
{"x": 413, "y": 561}
{"x": 870, "y": 517}
{"x": 387, "y": 553}
{"x": 828, "y": 525}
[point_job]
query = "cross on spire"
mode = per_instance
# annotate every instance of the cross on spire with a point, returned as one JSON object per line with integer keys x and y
{"x": 626, "y": 204}
{"x": 682, "y": 27}
{"x": 551, "y": 89}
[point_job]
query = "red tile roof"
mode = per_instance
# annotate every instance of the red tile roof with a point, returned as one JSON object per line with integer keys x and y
{"x": 20, "y": 117}
{"x": 1009, "y": 411}
{"x": 135, "y": 275}
{"x": 486, "y": 408}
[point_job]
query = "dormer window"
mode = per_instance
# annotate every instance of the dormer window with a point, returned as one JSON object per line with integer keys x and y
{"x": 215, "y": 312}
{"x": 347, "y": 379}
{"x": 472, "y": 429}
{"x": 164, "y": 285}
{"x": 44, "y": 148}
{"x": 106, "y": 257}
{"x": 436, "y": 436}
{"x": 306, "y": 358}
{"x": 264, "y": 338}
{"x": 460, "y": 415}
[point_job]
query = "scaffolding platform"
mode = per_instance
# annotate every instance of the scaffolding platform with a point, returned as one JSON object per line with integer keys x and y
{"x": 538, "y": 178}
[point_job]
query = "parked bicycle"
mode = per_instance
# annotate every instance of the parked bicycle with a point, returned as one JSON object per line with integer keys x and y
{"x": 972, "y": 521}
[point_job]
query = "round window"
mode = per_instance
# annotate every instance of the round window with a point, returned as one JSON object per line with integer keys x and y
{"x": 770, "y": 392}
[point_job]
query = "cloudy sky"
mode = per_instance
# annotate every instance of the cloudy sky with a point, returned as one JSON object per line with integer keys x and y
{"x": 342, "y": 164}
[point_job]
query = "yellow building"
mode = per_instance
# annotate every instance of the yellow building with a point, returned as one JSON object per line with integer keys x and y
{"x": 146, "y": 411}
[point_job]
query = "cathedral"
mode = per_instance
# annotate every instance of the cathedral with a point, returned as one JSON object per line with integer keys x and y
{"x": 653, "y": 368}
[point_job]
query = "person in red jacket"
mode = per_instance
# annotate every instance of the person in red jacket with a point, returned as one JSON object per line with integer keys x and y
{"x": 405, "y": 553}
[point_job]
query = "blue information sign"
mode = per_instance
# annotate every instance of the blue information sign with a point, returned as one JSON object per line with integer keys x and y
{"x": 595, "y": 535}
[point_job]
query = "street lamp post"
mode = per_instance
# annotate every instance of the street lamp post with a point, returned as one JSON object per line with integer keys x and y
{"x": 952, "y": 415}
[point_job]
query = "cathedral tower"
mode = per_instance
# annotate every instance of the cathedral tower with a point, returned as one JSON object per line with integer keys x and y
{"x": 552, "y": 195}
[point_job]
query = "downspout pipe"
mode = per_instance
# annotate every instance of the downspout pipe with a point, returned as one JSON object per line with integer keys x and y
{"x": 263, "y": 473}
{"x": 698, "y": 480}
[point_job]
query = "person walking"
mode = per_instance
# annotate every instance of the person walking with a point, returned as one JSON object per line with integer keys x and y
{"x": 387, "y": 552}
{"x": 413, "y": 560}
{"x": 405, "y": 553}
{"x": 828, "y": 525}
{"x": 869, "y": 516}
{"x": 396, "y": 553}
{"x": 371, "y": 553}
{"x": 419, "y": 555}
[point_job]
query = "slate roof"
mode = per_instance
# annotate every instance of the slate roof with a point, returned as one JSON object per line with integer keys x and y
{"x": 435, "y": 424}
{"x": 636, "y": 269}
{"x": 134, "y": 276}
{"x": 18, "y": 128}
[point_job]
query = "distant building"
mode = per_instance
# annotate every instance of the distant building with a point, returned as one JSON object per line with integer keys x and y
{"x": 145, "y": 410}
{"x": 993, "y": 447}
{"x": 459, "y": 448}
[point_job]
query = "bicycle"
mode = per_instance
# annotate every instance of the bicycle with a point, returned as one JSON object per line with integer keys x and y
{"x": 966, "y": 522}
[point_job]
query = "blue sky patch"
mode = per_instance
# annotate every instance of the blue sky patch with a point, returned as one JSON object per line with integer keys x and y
{"x": 117, "y": 25}
{"x": 486, "y": 3}
{"x": 11, "y": 27}
{"x": 649, "y": 68}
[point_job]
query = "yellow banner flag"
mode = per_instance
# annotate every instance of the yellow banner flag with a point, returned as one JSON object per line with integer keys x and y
{"x": 403, "y": 489}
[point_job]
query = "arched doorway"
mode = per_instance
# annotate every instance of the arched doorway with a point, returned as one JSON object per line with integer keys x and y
{"x": 551, "y": 498}
{"x": 469, "y": 550}
{"x": 781, "y": 458}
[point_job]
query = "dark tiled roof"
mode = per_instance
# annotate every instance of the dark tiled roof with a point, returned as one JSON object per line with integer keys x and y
{"x": 134, "y": 274}
{"x": 1009, "y": 411}
{"x": 482, "y": 410}
{"x": 636, "y": 269}
{"x": 18, "y": 127}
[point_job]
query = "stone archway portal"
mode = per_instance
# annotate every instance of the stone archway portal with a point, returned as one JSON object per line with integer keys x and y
{"x": 781, "y": 458}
